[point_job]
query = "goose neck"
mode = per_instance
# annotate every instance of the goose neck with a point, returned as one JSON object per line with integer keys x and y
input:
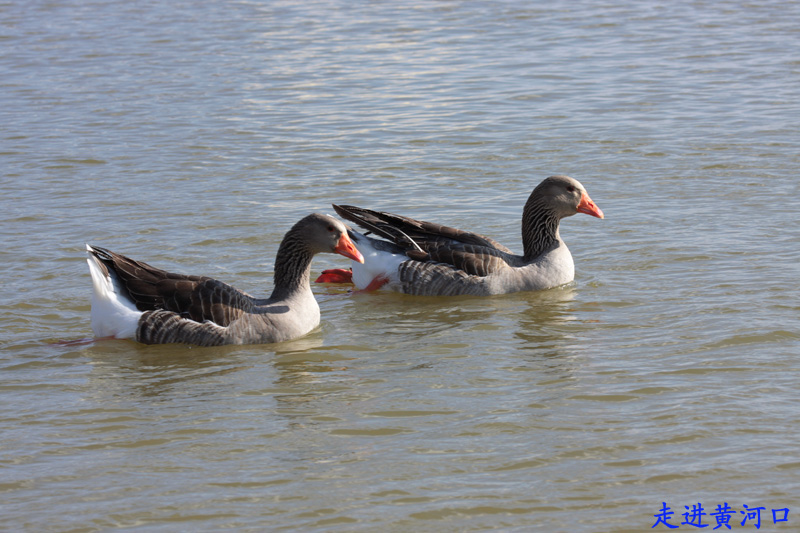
{"x": 539, "y": 228}
{"x": 292, "y": 267}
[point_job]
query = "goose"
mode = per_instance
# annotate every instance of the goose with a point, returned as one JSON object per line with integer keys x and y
{"x": 133, "y": 300}
{"x": 423, "y": 258}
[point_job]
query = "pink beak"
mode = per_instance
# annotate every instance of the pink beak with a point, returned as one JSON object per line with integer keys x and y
{"x": 348, "y": 249}
{"x": 587, "y": 206}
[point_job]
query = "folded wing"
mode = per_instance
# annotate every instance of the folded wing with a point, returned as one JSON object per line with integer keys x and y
{"x": 198, "y": 298}
{"x": 423, "y": 241}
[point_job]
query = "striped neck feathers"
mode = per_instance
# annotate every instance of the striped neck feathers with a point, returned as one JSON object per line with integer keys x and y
{"x": 539, "y": 227}
{"x": 292, "y": 265}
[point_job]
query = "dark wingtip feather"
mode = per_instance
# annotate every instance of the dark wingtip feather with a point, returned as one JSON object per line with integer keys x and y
{"x": 347, "y": 212}
{"x": 365, "y": 218}
{"x": 418, "y": 255}
{"x": 100, "y": 253}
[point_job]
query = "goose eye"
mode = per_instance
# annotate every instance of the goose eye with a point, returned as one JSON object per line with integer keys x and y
{"x": 570, "y": 188}
{"x": 331, "y": 228}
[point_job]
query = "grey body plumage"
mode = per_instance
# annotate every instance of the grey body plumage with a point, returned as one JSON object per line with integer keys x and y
{"x": 440, "y": 260}
{"x": 178, "y": 308}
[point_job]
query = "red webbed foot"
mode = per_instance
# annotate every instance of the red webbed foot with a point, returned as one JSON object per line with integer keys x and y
{"x": 336, "y": 275}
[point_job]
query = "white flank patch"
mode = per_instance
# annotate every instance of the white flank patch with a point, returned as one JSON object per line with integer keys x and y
{"x": 376, "y": 263}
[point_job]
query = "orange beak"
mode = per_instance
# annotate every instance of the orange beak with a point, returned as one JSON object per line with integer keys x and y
{"x": 587, "y": 206}
{"x": 348, "y": 249}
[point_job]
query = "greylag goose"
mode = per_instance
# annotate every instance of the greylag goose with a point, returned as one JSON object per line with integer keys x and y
{"x": 134, "y": 300}
{"x": 423, "y": 258}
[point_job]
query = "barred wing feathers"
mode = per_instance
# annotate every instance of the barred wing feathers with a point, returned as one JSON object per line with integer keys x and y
{"x": 199, "y": 298}
{"x": 429, "y": 242}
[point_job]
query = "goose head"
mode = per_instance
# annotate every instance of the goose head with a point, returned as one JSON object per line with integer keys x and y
{"x": 566, "y": 196}
{"x": 324, "y": 233}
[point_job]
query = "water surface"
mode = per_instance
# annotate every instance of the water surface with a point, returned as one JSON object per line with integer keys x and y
{"x": 192, "y": 136}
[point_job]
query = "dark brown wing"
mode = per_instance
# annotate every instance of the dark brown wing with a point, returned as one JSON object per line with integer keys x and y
{"x": 427, "y": 241}
{"x": 199, "y": 298}
{"x": 472, "y": 259}
{"x": 400, "y": 229}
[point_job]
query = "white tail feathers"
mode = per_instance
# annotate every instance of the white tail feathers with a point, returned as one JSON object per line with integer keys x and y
{"x": 113, "y": 315}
